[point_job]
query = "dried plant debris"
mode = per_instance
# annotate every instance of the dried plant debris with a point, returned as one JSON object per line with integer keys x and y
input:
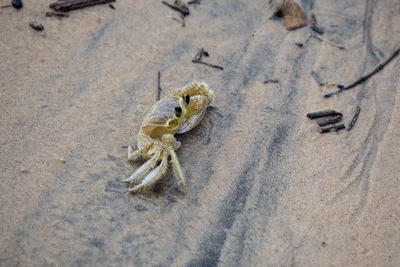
{"x": 329, "y": 120}
{"x": 291, "y": 13}
{"x": 314, "y": 25}
{"x": 178, "y": 6}
{"x": 321, "y": 83}
{"x": 198, "y": 59}
{"x": 68, "y": 5}
{"x": 159, "y": 86}
{"x": 194, "y": 2}
{"x": 365, "y": 77}
{"x": 333, "y": 128}
{"x": 323, "y": 39}
{"x": 36, "y": 26}
{"x": 323, "y": 113}
{"x": 354, "y": 119}
{"x": 271, "y": 81}
{"x": 56, "y": 14}
{"x": 111, "y": 6}
{"x": 329, "y": 117}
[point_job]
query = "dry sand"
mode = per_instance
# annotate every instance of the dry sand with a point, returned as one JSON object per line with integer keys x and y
{"x": 264, "y": 187}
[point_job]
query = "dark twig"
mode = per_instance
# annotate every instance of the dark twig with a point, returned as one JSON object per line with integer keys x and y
{"x": 366, "y": 77}
{"x": 354, "y": 119}
{"x": 194, "y": 2}
{"x": 323, "y": 113}
{"x": 333, "y": 128}
{"x": 56, "y": 14}
{"x": 314, "y": 25}
{"x": 159, "y": 86}
{"x": 271, "y": 81}
{"x": 6, "y": 6}
{"x": 178, "y": 6}
{"x": 65, "y": 6}
{"x": 208, "y": 64}
{"x": 330, "y": 120}
{"x": 197, "y": 59}
{"x": 111, "y": 6}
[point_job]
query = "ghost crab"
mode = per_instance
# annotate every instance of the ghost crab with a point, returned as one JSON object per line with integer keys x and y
{"x": 177, "y": 113}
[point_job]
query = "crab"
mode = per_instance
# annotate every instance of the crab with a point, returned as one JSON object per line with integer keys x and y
{"x": 177, "y": 113}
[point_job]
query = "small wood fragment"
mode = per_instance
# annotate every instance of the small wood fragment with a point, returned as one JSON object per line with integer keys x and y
{"x": 208, "y": 64}
{"x": 178, "y": 6}
{"x": 323, "y": 113}
{"x": 111, "y": 6}
{"x": 65, "y": 6}
{"x": 56, "y": 14}
{"x": 321, "y": 38}
{"x": 291, "y": 13}
{"x": 36, "y": 26}
{"x": 194, "y": 2}
{"x": 354, "y": 119}
{"x": 314, "y": 25}
{"x": 271, "y": 81}
{"x": 329, "y": 120}
{"x": 333, "y": 128}
{"x": 159, "y": 86}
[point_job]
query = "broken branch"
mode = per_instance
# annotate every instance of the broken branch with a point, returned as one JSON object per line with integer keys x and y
{"x": 366, "y": 77}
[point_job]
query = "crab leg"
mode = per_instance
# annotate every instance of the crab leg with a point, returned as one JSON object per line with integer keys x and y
{"x": 144, "y": 169}
{"x": 178, "y": 171}
{"x": 153, "y": 177}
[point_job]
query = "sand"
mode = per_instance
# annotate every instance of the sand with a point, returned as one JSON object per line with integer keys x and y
{"x": 265, "y": 188}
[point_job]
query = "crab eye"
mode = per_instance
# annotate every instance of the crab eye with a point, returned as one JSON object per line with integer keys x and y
{"x": 178, "y": 111}
{"x": 186, "y": 97}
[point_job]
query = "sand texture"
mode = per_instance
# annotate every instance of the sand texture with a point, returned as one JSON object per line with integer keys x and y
{"x": 265, "y": 188}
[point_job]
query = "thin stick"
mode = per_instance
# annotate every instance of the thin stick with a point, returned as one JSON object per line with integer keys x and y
{"x": 319, "y": 37}
{"x": 354, "y": 119}
{"x": 333, "y": 128}
{"x": 192, "y": 2}
{"x": 56, "y": 14}
{"x": 65, "y": 6}
{"x": 159, "y": 86}
{"x": 330, "y": 120}
{"x": 366, "y": 77}
{"x": 323, "y": 113}
{"x": 184, "y": 10}
{"x": 208, "y": 64}
{"x": 271, "y": 81}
